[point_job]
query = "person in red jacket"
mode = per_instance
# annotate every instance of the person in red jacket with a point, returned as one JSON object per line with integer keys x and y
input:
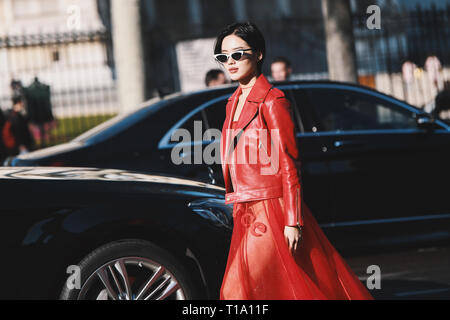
{"x": 16, "y": 134}
{"x": 278, "y": 250}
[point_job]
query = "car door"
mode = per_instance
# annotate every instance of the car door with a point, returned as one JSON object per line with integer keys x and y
{"x": 314, "y": 171}
{"x": 375, "y": 151}
{"x": 199, "y": 156}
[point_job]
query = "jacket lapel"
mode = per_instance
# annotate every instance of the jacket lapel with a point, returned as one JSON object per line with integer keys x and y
{"x": 254, "y": 98}
{"x": 226, "y": 132}
{"x": 231, "y": 107}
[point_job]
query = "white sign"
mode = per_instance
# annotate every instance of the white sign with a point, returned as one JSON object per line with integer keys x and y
{"x": 195, "y": 58}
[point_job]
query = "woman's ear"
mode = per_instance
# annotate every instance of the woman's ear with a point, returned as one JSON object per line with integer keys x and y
{"x": 260, "y": 56}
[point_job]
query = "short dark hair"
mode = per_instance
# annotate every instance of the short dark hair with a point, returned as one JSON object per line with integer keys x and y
{"x": 211, "y": 75}
{"x": 282, "y": 59}
{"x": 248, "y": 32}
{"x": 16, "y": 100}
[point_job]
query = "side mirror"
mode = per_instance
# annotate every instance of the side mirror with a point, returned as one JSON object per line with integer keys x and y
{"x": 426, "y": 122}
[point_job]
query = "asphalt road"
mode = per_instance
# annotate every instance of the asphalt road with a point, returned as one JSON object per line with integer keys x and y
{"x": 422, "y": 273}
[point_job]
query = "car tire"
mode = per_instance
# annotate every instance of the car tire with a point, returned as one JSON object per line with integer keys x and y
{"x": 112, "y": 257}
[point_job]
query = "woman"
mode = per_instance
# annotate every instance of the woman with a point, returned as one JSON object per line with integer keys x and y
{"x": 278, "y": 250}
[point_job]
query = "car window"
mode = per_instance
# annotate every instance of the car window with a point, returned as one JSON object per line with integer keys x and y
{"x": 216, "y": 113}
{"x": 346, "y": 110}
{"x": 211, "y": 117}
{"x": 302, "y": 110}
{"x": 197, "y": 119}
{"x": 296, "y": 117}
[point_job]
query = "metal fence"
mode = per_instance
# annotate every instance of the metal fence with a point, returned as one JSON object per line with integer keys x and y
{"x": 79, "y": 69}
{"x": 75, "y": 67}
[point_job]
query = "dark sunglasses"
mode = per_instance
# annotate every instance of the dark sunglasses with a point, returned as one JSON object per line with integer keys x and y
{"x": 236, "y": 56}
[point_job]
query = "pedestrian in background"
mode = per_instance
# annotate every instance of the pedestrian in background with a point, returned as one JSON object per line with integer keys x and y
{"x": 17, "y": 89}
{"x": 215, "y": 77}
{"x": 408, "y": 69}
{"x": 433, "y": 68}
{"x": 278, "y": 250}
{"x": 2, "y": 145}
{"x": 16, "y": 134}
{"x": 281, "y": 69}
{"x": 442, "y": 101}
{"x": 39, "y": 110}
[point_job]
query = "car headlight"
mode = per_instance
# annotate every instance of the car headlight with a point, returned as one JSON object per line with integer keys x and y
{"x": 215, "y": 210}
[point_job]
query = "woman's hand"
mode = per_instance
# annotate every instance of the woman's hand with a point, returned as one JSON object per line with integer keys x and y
{"x": 293, "y": 236}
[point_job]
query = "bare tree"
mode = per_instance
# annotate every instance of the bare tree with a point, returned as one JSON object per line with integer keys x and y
{"x": 340, "y": 42}
{"x": 128, "y": 53}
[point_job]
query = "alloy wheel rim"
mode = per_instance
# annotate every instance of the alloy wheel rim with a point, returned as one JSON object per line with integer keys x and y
{"x": 131, "y": 278}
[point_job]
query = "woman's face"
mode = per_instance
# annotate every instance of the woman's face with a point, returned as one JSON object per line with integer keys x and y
{"x": 246, "y": 67}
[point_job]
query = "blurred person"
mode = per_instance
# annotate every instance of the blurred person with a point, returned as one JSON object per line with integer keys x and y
{"x": 281, "y": 69}
{"x": 17, "y": 88}
{"x": 433, "y": 68}
{"x": 442, "y": 100}
{"x": 408, "y": 69}
{"x": 2, "y": 145}
{"x": 215, "y": 77}
{"x": 39, "y": 110}
{"x": 16, "y": 134}
{"x": 278, "y": 250}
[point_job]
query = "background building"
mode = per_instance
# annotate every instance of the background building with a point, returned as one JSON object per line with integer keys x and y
{"x": 70, "y": 46}
{"x": 178, "y": 38}
{"x": 63, "y": 43}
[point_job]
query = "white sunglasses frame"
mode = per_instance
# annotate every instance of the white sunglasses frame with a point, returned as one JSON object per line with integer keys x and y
{"x": 229, "y": 55}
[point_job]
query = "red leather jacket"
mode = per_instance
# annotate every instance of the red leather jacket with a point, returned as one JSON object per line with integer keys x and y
{"x": 274, "y": 173}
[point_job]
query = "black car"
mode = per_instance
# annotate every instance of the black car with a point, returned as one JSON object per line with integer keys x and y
{"x": 89, "y": 233}
{"x": 93, "y": 233}
{"x": 372, "y": 166}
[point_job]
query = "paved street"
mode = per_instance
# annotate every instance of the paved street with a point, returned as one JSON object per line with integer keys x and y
{"x": 411, "y": 274}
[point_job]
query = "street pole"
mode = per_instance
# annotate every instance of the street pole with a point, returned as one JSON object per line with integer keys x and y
{"x": 128, "y": 53}
{"x": 340, "y": 42}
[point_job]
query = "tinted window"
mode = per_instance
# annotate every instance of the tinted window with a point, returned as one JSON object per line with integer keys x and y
{"x": 296, "y": 117}
{"x": 211, "y": 117}
{"x": 345, "y": 110}
{"x": 195, "y": 120}
{"x": 216, "y": 114}
{"x": 303, "y": 113}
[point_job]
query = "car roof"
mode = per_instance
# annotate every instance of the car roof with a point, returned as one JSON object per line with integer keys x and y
{"x": 222, "y": 89}
{"x": 226, "y": 87}
{"x": 161, "y": 102}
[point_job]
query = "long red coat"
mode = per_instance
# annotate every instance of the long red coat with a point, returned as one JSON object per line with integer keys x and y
{"x": 259, "y": 264}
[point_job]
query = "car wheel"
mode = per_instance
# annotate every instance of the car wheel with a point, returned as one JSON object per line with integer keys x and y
{"x": 129, "y": 270}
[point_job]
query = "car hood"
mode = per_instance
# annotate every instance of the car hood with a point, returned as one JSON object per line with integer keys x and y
{"x": 95, "y": 174}
{"x": 39, "y": 187}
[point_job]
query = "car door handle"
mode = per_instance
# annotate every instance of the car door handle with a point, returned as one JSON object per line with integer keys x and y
{"x": 347, "y": 143}
{"x": 211, "y": 175}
